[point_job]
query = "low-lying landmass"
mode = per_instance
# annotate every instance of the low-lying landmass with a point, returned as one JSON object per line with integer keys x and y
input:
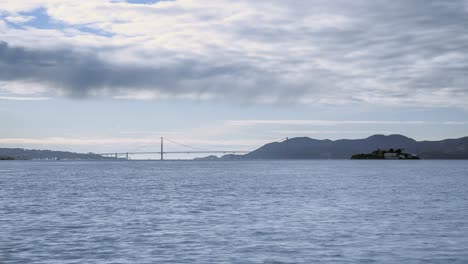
{"x": 33, "y": 154}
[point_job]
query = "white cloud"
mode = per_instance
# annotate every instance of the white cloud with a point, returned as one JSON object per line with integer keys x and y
{"x": 19, "y": 6}
{"x": 155, "y": 95}
{"x": 341, "y": 132}
{"x": 16, "y": 98}
{"x": 22, "y": 88}
{"x": 335, "y": 122}
{"x": 19, "y": 19}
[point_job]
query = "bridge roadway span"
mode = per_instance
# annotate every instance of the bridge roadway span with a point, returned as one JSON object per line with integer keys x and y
{"x": 162, "y": 152}
{"x": 176, "y": 152}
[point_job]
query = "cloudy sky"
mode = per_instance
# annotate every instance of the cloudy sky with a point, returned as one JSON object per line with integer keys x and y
{"x": 115, "y": 75}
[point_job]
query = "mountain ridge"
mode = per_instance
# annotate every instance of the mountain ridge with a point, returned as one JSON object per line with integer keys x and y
{"x": 309, "y": 148}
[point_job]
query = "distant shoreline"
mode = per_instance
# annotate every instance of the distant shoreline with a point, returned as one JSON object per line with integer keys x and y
{"x": 301, "y": 148}
{"x": 228, "y": 161}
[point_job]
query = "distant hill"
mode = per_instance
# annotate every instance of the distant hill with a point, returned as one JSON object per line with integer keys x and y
{"x": 308, "y": 148}
{"x": 25, "y": 154}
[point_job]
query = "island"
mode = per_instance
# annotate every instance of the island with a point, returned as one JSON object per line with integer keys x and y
{"x": 390, "y": 154}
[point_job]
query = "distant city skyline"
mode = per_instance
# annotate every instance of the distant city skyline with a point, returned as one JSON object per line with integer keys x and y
{"x": 107, "y": 75}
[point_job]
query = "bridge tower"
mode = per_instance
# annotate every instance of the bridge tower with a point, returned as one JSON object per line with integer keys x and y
{"x": 162, "y": 148}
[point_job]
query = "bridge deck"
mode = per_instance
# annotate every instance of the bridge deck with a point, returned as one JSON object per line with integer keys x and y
{"x": 175, "y": 152}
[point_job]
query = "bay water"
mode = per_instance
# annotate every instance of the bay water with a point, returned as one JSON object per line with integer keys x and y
{"x": 326, "y": 211}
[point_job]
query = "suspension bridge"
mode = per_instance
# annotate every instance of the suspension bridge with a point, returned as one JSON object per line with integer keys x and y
{"x": 162, "y": 152}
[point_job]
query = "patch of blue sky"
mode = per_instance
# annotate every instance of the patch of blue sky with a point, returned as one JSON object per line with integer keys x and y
{"x": 43, "y": 21}
{"x": 3, "y": 17}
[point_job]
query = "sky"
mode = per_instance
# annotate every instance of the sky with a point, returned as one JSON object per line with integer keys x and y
{"x": 113, "y": 75}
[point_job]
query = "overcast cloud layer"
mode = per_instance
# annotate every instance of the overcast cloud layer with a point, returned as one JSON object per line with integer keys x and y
{"x": 333, "y": 52}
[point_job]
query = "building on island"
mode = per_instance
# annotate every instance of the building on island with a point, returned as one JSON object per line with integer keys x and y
{"x": 391, "y": 154}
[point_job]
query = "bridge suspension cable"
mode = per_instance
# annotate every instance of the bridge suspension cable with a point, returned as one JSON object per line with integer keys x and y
{"x": 184, "y": 145}
{"x": 194, "y": 150}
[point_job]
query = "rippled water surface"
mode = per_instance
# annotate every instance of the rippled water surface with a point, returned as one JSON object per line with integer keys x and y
{"x": 234, "y": 212}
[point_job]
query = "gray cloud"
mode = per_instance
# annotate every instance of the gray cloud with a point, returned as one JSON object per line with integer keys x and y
{"x": 79, "y": 74}
{"x": 82, "y": 74}
{"x": 399, "y": 52}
